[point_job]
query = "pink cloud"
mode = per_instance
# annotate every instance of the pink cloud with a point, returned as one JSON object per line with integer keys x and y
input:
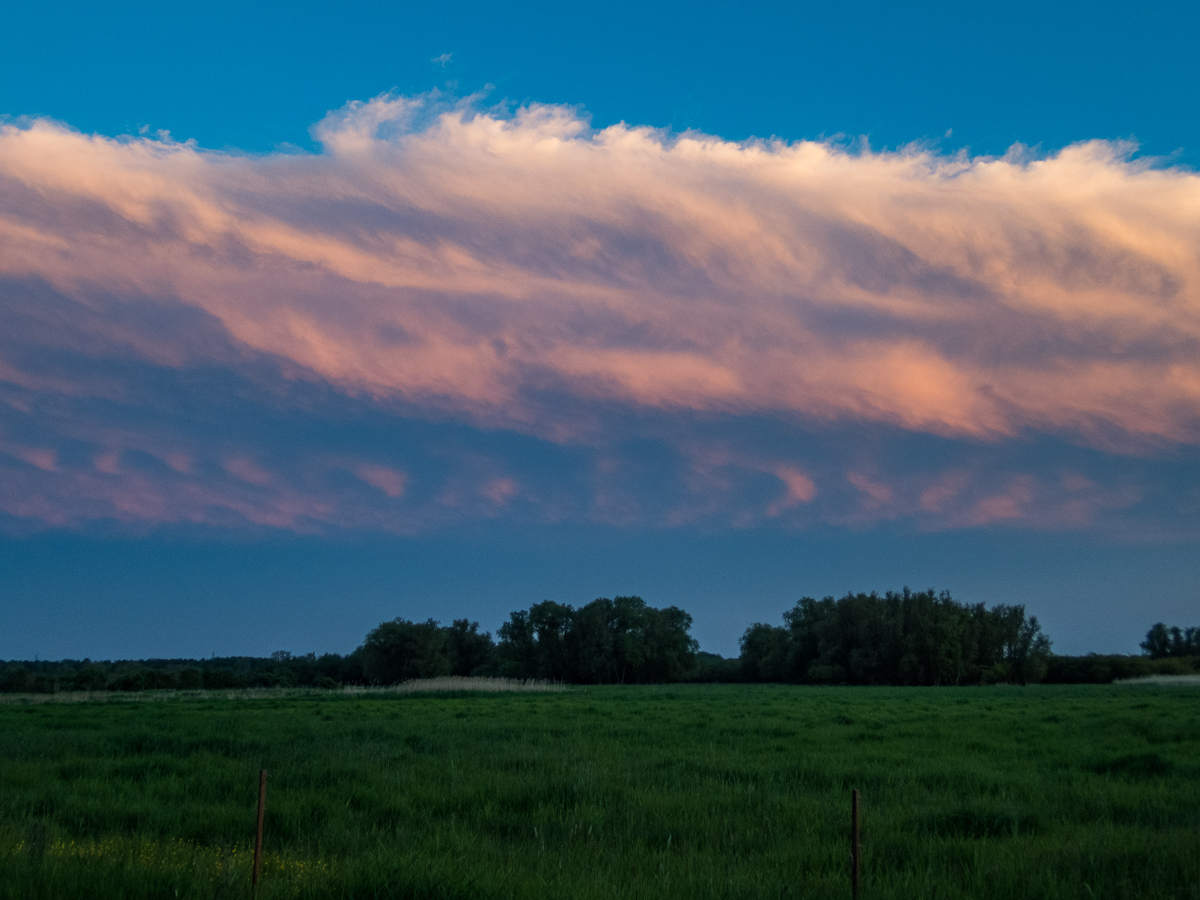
{"x": 1012, "y": 503}
{"x": 720, "y": 483}
{"x": 36, "y": 456}
{"x": 73, "y": 496}
{"x": 587, "y": 288}
{"x": 180, "y": 462}
{"x": 799, "y": 489}
{"x": 247, "y": 470}
{"x": 390, "y": 481}
{"x": 500, "y": 490}
{"x": 109, "y": 463}
{"x": 879, "y": 493}
{"x": 937, "y": 497}
{"x": 970, "y": 297}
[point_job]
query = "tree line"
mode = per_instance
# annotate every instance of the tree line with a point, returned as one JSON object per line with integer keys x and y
{"x": 619, "y": 641}
{"x": 281, "y": 669}
{"x": 898, "y": 638}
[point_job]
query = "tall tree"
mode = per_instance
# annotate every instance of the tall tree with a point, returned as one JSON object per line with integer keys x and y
{"x": 533, "y": 643}
{"x": 400, "y": 650}
{"x": 1162, "y": 642}
{"x": 469, "y": 651}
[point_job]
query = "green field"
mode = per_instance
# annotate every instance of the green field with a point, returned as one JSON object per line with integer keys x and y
{"x": 657, "y": 792}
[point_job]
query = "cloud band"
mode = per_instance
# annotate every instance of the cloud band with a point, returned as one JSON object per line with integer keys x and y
{"x": 524, "y": 271}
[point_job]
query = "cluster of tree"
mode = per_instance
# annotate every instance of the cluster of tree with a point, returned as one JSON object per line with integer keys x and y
{"x": 616, "y": 641}
{"x": 399, "y": 650}
{"x": 898, "y": 638}
{"x": 1162, "y": 642}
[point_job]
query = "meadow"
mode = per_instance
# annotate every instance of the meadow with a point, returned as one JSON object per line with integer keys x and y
{"x": 680, "y": 791}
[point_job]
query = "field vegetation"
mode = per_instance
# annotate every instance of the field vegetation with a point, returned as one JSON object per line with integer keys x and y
{"x": 677, "y": 791}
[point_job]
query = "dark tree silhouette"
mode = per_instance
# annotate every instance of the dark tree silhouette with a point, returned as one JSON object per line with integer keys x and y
{"x": 1162, "y": 642}
{"x": 621, "y": 640}
{"x": 902, "y": 637}
{"x": 399, "y": 650}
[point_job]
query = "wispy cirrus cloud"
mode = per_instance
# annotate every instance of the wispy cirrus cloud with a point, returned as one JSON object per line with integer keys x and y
{"x": 587, "y": 290}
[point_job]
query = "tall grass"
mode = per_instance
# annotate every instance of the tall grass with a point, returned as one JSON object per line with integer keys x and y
{"x": 1177, "y": 680}
{"x": 671, "y": 792}
{"x": 446, "y": 684}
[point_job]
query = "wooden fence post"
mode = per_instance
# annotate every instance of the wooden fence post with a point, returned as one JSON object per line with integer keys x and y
{"x": 854, "y": 843}
{"x": 262, "y": 805}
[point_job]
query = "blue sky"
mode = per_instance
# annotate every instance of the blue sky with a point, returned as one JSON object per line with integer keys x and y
{"x": 316, "y": 317}
{"x": 229, "y": 75}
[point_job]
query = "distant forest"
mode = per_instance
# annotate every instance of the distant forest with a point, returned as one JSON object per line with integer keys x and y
{"x": 898, "y": 638}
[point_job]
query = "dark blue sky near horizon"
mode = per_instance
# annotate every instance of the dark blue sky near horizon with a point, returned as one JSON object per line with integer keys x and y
{"x": 176, "y": 596}
{"x": 195, "y": 459}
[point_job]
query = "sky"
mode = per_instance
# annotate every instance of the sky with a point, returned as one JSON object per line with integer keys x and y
{"x": 314, "y": 317}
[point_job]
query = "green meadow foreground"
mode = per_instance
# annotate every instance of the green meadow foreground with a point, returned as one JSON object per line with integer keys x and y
{"x": 656, "y": 792}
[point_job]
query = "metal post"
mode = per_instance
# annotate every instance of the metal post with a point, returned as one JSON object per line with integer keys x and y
{"x": 854, "y": 843}
{"x": 262, "y": 805}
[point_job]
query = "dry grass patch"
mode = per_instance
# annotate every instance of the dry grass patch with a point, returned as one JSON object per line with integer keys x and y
{"x": 462, "y": 683}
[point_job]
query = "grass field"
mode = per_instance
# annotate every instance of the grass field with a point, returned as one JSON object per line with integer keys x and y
{"x": 656, "y": 792}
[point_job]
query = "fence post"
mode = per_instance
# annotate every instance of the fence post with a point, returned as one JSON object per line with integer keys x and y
{"x": 854, "y": 843}
{"x": 262, "y": 805}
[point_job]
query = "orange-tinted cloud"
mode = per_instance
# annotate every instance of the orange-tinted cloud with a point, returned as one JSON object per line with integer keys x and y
{"x": 526, "y": 274}
{"x": 461, "y": 263}
{"x": 799, "y": 489}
